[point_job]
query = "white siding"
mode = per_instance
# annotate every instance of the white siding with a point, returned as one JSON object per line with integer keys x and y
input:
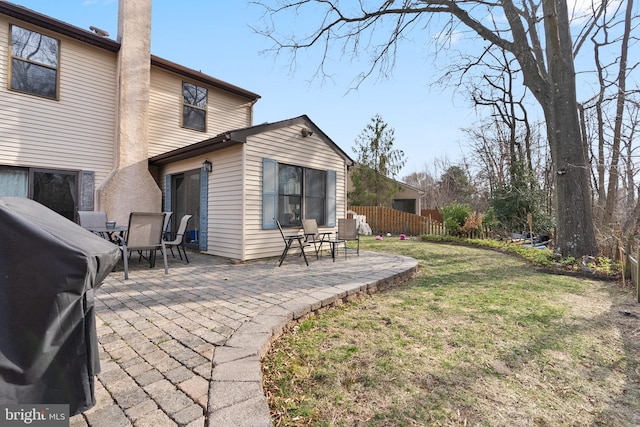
{"x": 284, "y": 145}
{"x": 77, "y": 131}
{"x": 225, "y": 112}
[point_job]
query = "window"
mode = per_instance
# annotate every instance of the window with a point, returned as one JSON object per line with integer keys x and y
{"x": 405, "y": 205}
{"x": 57, "y": 190}
{"x": 289, "y": 195}
{"x": 194, "y": 108}
{"x": 14, "y": 182}
{"x": 293, "y": 193}
{"x": 62, "y": 191}
{"x": 34, "y": 63}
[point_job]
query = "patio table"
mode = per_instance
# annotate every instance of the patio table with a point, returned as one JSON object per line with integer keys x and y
{"x": 110, "y": 232}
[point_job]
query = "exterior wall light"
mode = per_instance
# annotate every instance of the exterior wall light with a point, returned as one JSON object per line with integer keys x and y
{"x": 207, "y": 165}
{"x": 306, "y": 132}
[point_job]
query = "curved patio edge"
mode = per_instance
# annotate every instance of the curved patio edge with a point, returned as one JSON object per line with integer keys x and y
{"x": 236, "y": 396}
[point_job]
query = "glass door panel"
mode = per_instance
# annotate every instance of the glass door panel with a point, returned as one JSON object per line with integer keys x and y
{"x": 57, "y": 190}
{"x": 186, "y": 201}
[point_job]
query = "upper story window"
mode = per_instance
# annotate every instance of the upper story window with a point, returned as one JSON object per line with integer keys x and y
{"x": 34, "y": 63}
{"x": 194, "y": 108}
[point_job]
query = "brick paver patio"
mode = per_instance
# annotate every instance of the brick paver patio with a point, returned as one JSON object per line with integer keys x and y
{"x": 184, "y": 349}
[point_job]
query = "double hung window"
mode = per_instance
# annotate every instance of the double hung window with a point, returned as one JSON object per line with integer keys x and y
{"x": 194, "y": 107}
{"x": 293, "y": 193}
{"x": 34, "y": 63}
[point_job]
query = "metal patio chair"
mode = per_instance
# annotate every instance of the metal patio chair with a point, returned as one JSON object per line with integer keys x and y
{"x": 144, "y": 234}
{"x": 288, "y": 241}
{"x": 178, "y": 241}
{"x": 313, "y": 236}
{"x": 348, "y": 230}
{"x": 93, "y": 219}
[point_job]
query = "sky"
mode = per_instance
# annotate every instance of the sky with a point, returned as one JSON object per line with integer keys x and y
{"x": 216, "y": 38}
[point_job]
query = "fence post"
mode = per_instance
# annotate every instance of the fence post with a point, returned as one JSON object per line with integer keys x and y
{"x": 638, "y": 277}
{"x": 623, "y": 260}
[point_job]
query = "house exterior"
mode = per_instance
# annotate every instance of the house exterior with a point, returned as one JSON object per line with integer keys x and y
{"x": 90, "y": 123}
{"x": 251, "y": 177}
{"x": 407, "y": 199}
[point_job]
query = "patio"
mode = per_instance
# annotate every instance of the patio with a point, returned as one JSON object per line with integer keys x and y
{"x": 185, "y": 348}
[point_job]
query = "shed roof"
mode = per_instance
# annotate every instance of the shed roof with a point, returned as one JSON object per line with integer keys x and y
{"x": 239, "y": 136}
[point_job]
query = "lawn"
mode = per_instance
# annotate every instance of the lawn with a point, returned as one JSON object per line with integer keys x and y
{"x": 476, "y": 338}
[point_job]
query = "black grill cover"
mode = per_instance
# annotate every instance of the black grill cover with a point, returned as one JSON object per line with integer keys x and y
{"x": 50, "y": 268}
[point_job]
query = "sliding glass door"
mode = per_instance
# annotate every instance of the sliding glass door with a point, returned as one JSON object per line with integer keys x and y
{"x": 56, "y": 190}
{"x": 185, "y": 200}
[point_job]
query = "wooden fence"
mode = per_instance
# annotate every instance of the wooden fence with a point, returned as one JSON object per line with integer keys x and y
{"x": 386, "y": 220}
{"x": 630, "y": 267}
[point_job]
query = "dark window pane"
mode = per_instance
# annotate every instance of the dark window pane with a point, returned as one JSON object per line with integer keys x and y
{"x": 315, "y": 183}
{"x": 195, "y": 107}
{"x": 34, "y": 62}
{"x": 32, "y": 78}
{"x": 289, "y": 195}
{"x": 314, "y": 209}
{"x": 289, "y": 210}
{"x": 34, "y": 47}
{"x": 57, "y": 191}
{"x": 290, "y": 180}
{"x": 194, "y": 95}
{"x": 194, "y": 118}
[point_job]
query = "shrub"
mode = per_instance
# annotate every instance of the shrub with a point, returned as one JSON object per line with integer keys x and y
{"x": 455, "y": 216}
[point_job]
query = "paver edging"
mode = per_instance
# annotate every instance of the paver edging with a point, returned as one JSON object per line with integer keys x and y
{"x": 288, "y": 315}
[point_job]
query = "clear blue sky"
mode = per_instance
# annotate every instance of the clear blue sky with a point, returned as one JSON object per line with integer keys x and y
{"x": 214, "y": 36}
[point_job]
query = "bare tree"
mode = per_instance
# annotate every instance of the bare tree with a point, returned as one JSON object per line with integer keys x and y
{"x": 611, "y": 90}
{"x": 607, "y": 118}
{"x": 536, "y": 34}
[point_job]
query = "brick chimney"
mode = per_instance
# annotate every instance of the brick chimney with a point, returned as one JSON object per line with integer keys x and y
{"x": 130, "y": 187}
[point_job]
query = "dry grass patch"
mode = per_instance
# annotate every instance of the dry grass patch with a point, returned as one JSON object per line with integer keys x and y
{"x": 476, "y": 338}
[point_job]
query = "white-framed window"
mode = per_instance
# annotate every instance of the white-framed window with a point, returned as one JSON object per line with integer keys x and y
{"x": 34, "y": 63}
{"x": 293, "y": 193}
{"x": 194, "y": 107}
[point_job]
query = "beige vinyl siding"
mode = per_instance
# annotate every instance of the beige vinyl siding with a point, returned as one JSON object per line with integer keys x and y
{"x": 76, "y": 132}
{"x": 284, "y": 145}
{"x": 225, "y": 204}
{"x": 225, "y": 112}
{"x": 225, "y": 198}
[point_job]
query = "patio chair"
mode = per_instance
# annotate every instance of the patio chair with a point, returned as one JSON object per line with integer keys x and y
{"x": 313, "y": 235}
{"x": 93, "y": 219}
{"x": 178, "y": 241}
{"x": 348, "y": 230}
{"x": 288, "y": 241}
{"x": 144, "y": 234}
{"x": 167, "y": 222}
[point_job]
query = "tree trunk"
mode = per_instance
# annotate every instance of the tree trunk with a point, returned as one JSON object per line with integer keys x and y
{"x": 612, "y": 189}
{"x": 574, "y": 215}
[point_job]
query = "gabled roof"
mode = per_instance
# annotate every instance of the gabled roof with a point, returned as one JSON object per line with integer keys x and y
{"x": 43, "y": 21}
{"x": 201, "y": 77}
{"x": 239, "y": 136}
{"x": 400, "y": 183}
{"x": 85, "y": 36}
